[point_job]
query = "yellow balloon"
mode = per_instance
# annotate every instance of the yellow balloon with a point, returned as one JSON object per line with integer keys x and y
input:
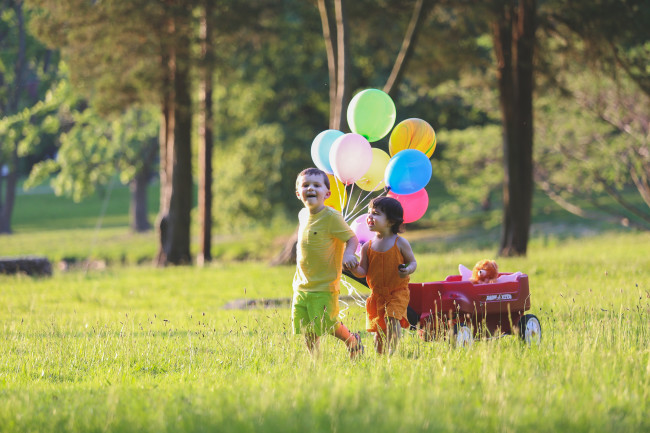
{"x": 373, "y": 180}
{"x": 412, "y": 134}
{"x": 338, "y": 196}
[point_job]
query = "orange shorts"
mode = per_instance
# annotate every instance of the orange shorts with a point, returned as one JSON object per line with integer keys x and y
{"x": 379, "y": 307}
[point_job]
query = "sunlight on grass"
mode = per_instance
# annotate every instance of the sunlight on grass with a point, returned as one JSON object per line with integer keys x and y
{"x": 145, "y": 349}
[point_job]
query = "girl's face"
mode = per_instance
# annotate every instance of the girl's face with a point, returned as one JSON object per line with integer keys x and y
{"x": 378, "y": 221}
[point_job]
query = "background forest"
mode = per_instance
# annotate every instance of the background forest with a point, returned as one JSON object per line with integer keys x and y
{"x": 172, "y": 131}
{"x": 207, "y": 110}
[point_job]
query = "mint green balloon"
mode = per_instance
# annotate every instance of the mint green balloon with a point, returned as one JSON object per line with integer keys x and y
{"x": 371, "y": 113}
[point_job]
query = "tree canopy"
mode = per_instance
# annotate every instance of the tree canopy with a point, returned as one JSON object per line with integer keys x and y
{"x": 478, "y": 72}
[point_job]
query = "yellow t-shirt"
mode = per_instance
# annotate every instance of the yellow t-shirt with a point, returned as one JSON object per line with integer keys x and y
{"x": 319, "y": 251}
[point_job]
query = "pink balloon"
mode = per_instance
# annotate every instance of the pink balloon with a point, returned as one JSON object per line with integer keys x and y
{"x": 350, "y": 157}
{"x": 415, "y": 205}
{"x": 360, "y": 227}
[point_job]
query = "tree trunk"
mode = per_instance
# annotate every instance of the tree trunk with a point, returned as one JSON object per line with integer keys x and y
{"x": 342, "y": 66}
{"x": 166, "y": 159}
{"x": 177, "y": 247}
{"x": 328, "y": 37}
{"x": 2, "y": 175}
{"x": 514, "y": 40}
{"x": 205, "y": 136}
{"x": 7, "y": 205}
{"x": 408, "y": 44}
{"x": 337, "y": 60}
{"x": 174, "y": 225}
{"x": 17, "y": 88}
{"x": 139, "y": 209}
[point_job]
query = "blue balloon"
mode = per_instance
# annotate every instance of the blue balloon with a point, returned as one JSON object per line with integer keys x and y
{"x": 408, "y": 171}
{"x": 320, "y": 149}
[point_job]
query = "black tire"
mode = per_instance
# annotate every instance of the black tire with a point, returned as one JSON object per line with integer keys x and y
{"x": 530, "y": 329}
{"x": 412, "y": 317}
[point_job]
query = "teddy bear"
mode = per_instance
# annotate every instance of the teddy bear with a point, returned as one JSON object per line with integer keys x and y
{"x": 485, "y": 271}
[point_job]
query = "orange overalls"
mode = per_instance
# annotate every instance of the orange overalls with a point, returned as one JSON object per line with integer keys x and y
{"x": 390, "y": 293}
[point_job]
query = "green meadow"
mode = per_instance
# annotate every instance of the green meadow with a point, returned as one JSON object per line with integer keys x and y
{"x": 133, "y": 348}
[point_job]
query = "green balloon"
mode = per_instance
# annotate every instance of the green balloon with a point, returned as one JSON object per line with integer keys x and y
{"x": 371, "y": 113}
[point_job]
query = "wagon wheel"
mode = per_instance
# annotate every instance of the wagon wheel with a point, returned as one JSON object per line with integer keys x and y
{"x": 529, "y": 329}
{"x": 463, "y": 335}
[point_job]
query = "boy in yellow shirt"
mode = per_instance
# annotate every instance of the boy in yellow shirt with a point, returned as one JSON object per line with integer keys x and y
{"x": 325, "y": 244}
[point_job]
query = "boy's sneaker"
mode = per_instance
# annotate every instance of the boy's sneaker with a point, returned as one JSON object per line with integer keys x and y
{"x": 358, "y": 349}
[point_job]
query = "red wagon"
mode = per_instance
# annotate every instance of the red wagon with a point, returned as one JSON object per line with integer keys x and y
{"x": 465, "y": 311}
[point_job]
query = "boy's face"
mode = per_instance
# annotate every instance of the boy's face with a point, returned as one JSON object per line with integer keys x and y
{"x": 312, "y": 192}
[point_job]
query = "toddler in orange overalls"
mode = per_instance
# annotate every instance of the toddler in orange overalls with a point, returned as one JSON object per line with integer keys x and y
{"x": 386, "y": 261}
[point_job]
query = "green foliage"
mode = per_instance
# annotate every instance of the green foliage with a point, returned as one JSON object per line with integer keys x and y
{"x": 470, "y": 165}
{"x": 265, "y": 121}
{"x": 592, "y": 148}
{"x": 248, "y": 180}
{"x": 149, "y": 350}
{"x": 605, "y": 40}
{"x": 94, "y": 147}
{"x": 36, "y": 61}
{"x": 114, "y": 65}
{"x": 28, "y": 76}
{"x": 271, "y": 86}
{"x": 136, "y": 135}
{"x": 295, "y": 98}
{"x": 32, "y": 130}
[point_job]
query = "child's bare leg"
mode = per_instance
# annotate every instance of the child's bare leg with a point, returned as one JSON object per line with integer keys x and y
{"x": 394, "y": 333}
{"x": 343, "y": 333}
{"x": 380, "y": 339}
{"x": 312, "y": 343}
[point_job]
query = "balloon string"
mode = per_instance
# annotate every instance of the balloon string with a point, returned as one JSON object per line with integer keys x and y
{"x": 354, "y": 208}
{"x": 360, "y": 211}
{"x": 341, "y": 196}
{"x": 357, "y": 297}
{"x": 356, "y": 212}
{"x": 344, "y": 309}
{"x": 361, "y": 200}
{"x": 345, "y": 211}
{"x": 356, "y": 204}
{"x": 350, "y": 198}
{"x": 371, "y": 191}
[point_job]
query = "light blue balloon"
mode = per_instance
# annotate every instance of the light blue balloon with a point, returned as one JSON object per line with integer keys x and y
{"x": 320, "y": 149}
{"x": 408, "y": 172}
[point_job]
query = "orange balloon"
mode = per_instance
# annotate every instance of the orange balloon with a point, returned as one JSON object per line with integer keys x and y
{"x": 339, "y": 194}
{"x": 412, "y": 134}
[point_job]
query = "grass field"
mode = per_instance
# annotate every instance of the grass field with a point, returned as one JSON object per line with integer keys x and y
{"x": 140, "y": 349}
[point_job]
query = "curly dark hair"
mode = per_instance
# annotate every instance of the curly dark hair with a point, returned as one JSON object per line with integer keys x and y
{"x": 393, "y": 210}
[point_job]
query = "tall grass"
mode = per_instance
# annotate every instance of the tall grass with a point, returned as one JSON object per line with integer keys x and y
{"x": 149, "y": 350}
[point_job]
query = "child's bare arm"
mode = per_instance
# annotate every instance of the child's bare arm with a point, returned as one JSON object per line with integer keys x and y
{"x": 409, "y": 258}
{"x": 349, "y": 258}
{"x": 361, "y": 269}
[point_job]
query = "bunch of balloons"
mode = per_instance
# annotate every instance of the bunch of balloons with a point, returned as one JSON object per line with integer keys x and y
{"x": 349, "y": 159}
